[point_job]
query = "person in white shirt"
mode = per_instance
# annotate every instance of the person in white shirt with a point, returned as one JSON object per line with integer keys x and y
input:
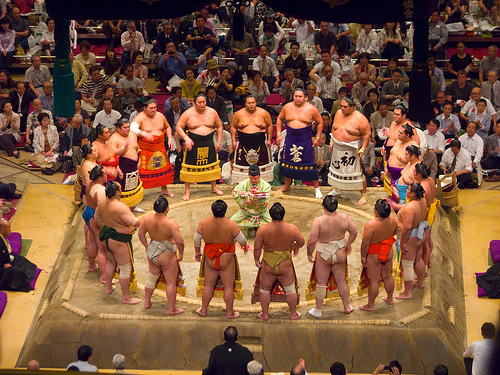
{"x": 482, "y": 350}
{"x": 457, "y": 159}
{"x": 367, "y": 41}
{"x": 313, "y": 99}
{"x": 84, "y": 356}
{"x": 449, "y": 124}
{"x": 475, "y": 95}
{"x": 473, "y": 143}
{"x": 132, "y": 40}
{"x": 108, "y": 116}
{"x": 435, "y": 139}
{"x": 304, "y": 30}
{"x": 267, "y": 67}
{"x": 480, "y": 116}
{"x": 47, "y": 42}
{"x": 326, "y": 60}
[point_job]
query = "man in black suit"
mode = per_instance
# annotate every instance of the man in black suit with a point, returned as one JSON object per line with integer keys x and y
{"x": 166, "y": 36}
{"x": 217, "y": 102}
{"x": 172, "y": 114}
{"x": 229, "y": 358}
{"x": 394, "y": 88}
{"x": 21, "y": 100}
{"x": 148, "y": 30}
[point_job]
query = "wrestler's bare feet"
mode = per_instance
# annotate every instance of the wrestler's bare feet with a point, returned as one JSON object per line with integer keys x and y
{"x": 92, "y": 269}
{"x": 217, "y": 191}
{"x": 362, "y": 201}
{"x": 200, "y": 313}
{"x": 167, "y": 193}
{"x": 113, "y": 287}
{"x": 349, "y": 309}
{"x": 388, "y": 300}
{"x": 295, "y": 316}
{"x": 235, "y": 314}
{"x": 147, "y": 304}
{"x": 366, "y": 308}
{"x": 186, "y": 196}
{"x": 131, "y": 301}
{"x": 419, "y": 285}
{"x": 282, "y": 189}
{"x": 115, "y": 281}
{"x": 263, "y": 317}
{"x": 176, "y": 311}
{"x": 403, "y": 296}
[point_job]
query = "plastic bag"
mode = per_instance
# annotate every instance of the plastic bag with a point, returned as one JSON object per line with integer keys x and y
{"x": 346, "y": 69}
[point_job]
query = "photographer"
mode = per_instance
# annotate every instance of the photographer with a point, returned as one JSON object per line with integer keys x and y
{"x": 171, "y": 63}
{"x": 129, "y": 87}
{"x": 394, "y": 368}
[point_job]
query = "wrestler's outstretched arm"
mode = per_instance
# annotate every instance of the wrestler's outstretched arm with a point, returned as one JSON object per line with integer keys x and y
{"x": 313, "y": 238}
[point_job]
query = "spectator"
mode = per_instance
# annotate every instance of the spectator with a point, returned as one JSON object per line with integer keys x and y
{"x": 109, "y": 93}
{"x": 138, "y": 108}
{"x": 7, "y": 84}
{"x": 111, "y": 66}
{"x": 289, "y": 85}
{"x": 492, "y": 160}
{"x": 386, "y": 74}
{"x": 436, "y": 74}
{"x": 210, "y": 75}
{"x": 481, "y": 351}
{"x": 364, "y": 66}
{"x": 326, "y": 60}
{"x": 140, "y": 70}
{"x": 229, "y": 358}
{"x": 255, "y": 368}
{"x": 296, "y": 62}
{"x": 48, "y": 43}
{"x": 21, "y": 101}
{"x": 243, "y": 50}
{"x": 367, "y": 42}
{"x": 224, "y": 85}
{"x": 113, "y": 31}
{"x": 84, "y": 356}
{"x": 359, "y": 92}
{"x": 209, "y": 23}
{"x": 259, "y": 89}
{"x": 47, "y": 96}
{"x": 491, "y": 89}
{"x": 181, "y": 28}
{"x": 190, "y": 87}
{"x": 475, "y": 95}
{"x": 132, "y": 40}
{"x": 337, "y": 368}
{"x": 313, "y": 99}
{"x": 176, "y": 92}
{"x": 33, "y": 365}
{"x": 322, "y": 156}
{"x": 431, "y": 161}
{"x": 271, "y": 21}
{"x": 9, "y": 130}
{"x": 324, "y": 40}
{"x": 129, "y": 87}
{"x": 394, "y": 368}
{"x": 108, "y": 116}
{"x": 455, "y": 9}
{"x": 73, "y": 134}
{"x": 162, "y": 39}
{"x": 380, "y": 120}
{"x": 488, "y": 63}
{"x": 21, "y": 28}
{"x": 391, "y": 42}
{"x": 457, "y": 159}
{"x": 472, "y": 143}
{"x": 372, "y": 104}
{"x": 46, "y": 138}
{"x": 172, "y": 63}
{"x": 481, "y": 118}
{"x": 460, "y": 60}
{"x": 449, "y": 124}
{"x": 217, "y": 102}
{"x": 199, "y": 37}
{"x": 438, "y": 36}
{"x": 304, "y": 30}
{"x": 343, "y": 92}
{"x": 119, "y": 363}
{"x": 341, "y": 32}
{"x": 435, "y": 139}
{"x": 7, "y": 38}
{"x": 80, "y": 74}
{"x": 438, "y": 103}
{"x": 440, "y": 370}
{"x": 267, "y": 68}
{"x": 80, "y": 111}
{"x": 327, "y": 88}
{"x": 86, "y": 57}
{"x": 393, "y": 90}
{"x": 32, "y": 122}
{"x": 460, "y": 89}
{"x": 8, "y": 191}
{"x": 92, "y": 90}
{"x": 25, "y": 6}
{"x": 147, "y": 29}
{"x": 36, "y": 75}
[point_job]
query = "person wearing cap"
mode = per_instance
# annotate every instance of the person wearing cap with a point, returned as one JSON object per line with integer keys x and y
{"x": 252, "y": 195}
{"x": 270, "y": 20}
{"x": 199, "y": 36}
{"x": 210, "y": 75}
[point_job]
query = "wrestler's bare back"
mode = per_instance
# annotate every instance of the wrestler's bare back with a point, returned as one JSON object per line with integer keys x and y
{"x": 278, "y": 236}
{"x": 298, "y": 117}
{"x": 416, "y": 209}
{"x": 430, "y": 190}
{"x": 155, "y": 125}
{"x": 218, "y": 230}
{"x": 160, "y": 227}
{"x": 116, "y": 215}
{"x": 378, "y": 229}
{"x": 349, "y": 128}
{"x": 199, "y": 122}
{"x": 132, "y": 148}
{"x": 332, "y": 227}
{"x": 257, "y": 121}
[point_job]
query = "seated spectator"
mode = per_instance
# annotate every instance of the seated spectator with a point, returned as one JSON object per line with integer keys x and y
{"x": 386, "y": 74}
{"x": 324, "y": 40}
{"x": 181, "y": 28}
{"x": 372, "y": 104}
{"x": 217, "y": 102}
{"x": 393, "y": 89}
{"x": 259, "y": 89}
{"x": 108, "y": 116}
{"x": 21, "y": 28}
{"x": 80, "y": 111}
{"x": 270, "y": 20}
{"x": 242, "y": 50}
{"x": 139, "y": 107}
{"x": 304, "y": 30}
{"x": 73, "y": 134}
{"x": 492, "y": 160}
{"x": 113, "y": 31}
{"x": 327, "y": 124}
{"x": 32, "y": 122}
{"x": 289, "y": 85}
{"x": 236, "y": 79}
{"x": 172, "y": 63}
{"x": 129, "y": 87}
{"x": 255, "y": 368}
{"x": 431, "y": 161}
{"x": 341, "y": 32}
{"x": 140, "y": 70}
{"x": 16, "y": 272}
{"x": 342, "y": 93}
{"x": 8, "y": 191}
{"x": 109, "y": 93}
{"x": 460, "y": 60}
{"x": 92, "y": 90}
{"x": 359, "y": 92}
{"x": 327, "y": 88}
{"x": 47, "y": 96}
{"x": 177, "y": 93}
{"x": 296, "y": 62}
{"x": 33, "y": 365}
{"x": 322, "y": 156}
{"x": 86, "y": 57}
{"x": 369, "y": 162}
{"x": 210, "y": 75}
{"x": 482, "y": 351}
{"x": 326, "y": 60}
{"x": 491, "y": 89}
{"x": 25, "y": 6}
{"x": 7, "y": 84}
{"x": 224, "y": 85}
{"x": 313, "y": 99}
{"x": 379, "y": 120}
{"x": 9, "y": 130}
{"x": 406, "y": 96}
{"x": 438, "y": 36}
{"x": 460, "y": 89}
{"x": 80, "y": 74}
{"x": 472, "y": 143}
{"x": 438, "y": 103}
{"x": 248, "y": 24}
{"x": 449, "y": 124}
{"x": 364, "y": 66}
{"x": 337, "y": 368}
{"x": 391, "y": 43}
{"x": 368, "y": 42}
{"x": 119, "y": 362}
{"x": 270, "y": 41}
{"x": 21, "y": 101}
{"x": 481, "y": 118}
{"x": 162, "y": 39}
{"x": 495, "y": 13}
{"x": 132, "y": 40}
{"x": 267, "y": 67}
{"x": 455, "y": 9}
{"x": 488, "y": 63}
{"x": 7, "y": 38}
{"x": 111, "y": 67}
{"x": 435, "y": 139}
{"x": 209, "y": 54}
{"x": 48, "y": 43}
{"x": 457, "y": 159}
{"x": 190, "y": 86}
{"x": 36, "y": 75}
{"x": 84, "y": 356}
{"x": 199, "y": 37}
{"x": 394, "y": 368}
{"x": 475, "y": 95}
{"x": 436, "y": 74}
{"x": 205, "y": 13}
{"x": 46, "y": 138}
{"x": 440, "y": 370}
{"x": 147, "y": 29}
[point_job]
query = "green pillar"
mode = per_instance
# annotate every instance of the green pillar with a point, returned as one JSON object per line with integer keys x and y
{"x": 64, "y": 89}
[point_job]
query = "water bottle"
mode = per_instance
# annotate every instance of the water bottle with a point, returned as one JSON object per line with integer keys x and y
{"x": 473, "y": 8}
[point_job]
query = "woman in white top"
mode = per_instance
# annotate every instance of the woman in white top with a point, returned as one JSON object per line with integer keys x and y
{"x": 391, "y": 43}
{"x": 48, "y": 43}
{"x": 367, "y": 41}
{"x": 86, "y": 57}
{"x": 259, "y": 88}
{"x": 46, "y": 138}
{"x": 9, "y": 130}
